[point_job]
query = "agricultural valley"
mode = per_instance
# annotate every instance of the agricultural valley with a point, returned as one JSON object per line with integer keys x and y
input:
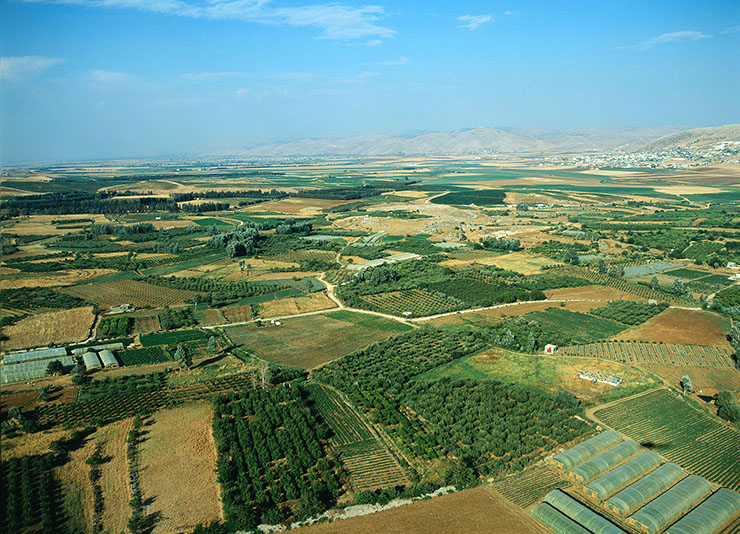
{"x": 483, "y": 343}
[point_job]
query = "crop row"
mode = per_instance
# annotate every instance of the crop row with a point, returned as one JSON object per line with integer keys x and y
{"x": 298, "y": 255}
{"x": 347, "y": 425}
{"x": 143, "y": 356}
{"x": 128, "y": 291}
{"x": 531, "y": 485}
{"x": 412, "y": 302}
{"x": 683, "y": 434}
{"x": 371, "y": 467}
{"x": 618, "y": 283}
{"x": 653, "y": 353}
{"x": 30, "y": 495}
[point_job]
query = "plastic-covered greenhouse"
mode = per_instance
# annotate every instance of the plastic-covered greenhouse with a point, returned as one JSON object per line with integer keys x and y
{"x": 588, "y": 449}
{"x": 635, "y": 495}
{"x": 558, "y": 522}
{"x": 605, "y": 461}
{"x": 34, "y": 355}
{"x": 91, "y": 360}
{"x": 580, "y": 514}
{"x": 610, "y": 483}
{"x": 709, "y": 516}
{"x": 108, "y": 359}
{"x": 666, "y": 508}
{"x": 21, "y": 372}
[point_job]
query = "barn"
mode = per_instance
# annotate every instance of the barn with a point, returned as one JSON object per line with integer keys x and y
{"x": 551, "y": 349}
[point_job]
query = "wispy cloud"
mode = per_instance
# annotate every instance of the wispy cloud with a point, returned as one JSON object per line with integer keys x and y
{"x": 17, "y": 68}
{"x": 109, "y": 77}
{"x": 333, "y": 20}
{"x": 509, "y": 12}
{"x": 473, "y": 22}
{"x": 732, "y": 29}
{"x": 672, "y": 37}
{"x": 403, "y": 60}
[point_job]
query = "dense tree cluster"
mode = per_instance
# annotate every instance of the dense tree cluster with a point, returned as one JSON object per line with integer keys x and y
{"x": 219, "y": 291}
{"x": 30, "y": 495}
{"x": 30, "y": 298}
{"x": 115, "y": 326}
{"x": 500, "y": 244}
{"x": 248, "y": 193}
{"x": 628, "y": 311}
{"x": 523, "y": 335}
{"x": 241, "y": 241}
{"x": 272, "y": 463}
{"x": 110, "y": 388}
{"x": 170, "y": 318}
{"x": 79, "y": 202}
{"x": 727, "y": 407}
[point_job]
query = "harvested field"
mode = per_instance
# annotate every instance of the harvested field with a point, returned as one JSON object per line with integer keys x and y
{"x": 291, "y": 306}
{"x": 529, "y": 487}
{"x": 285, "y": 275}
{"x": 494, "y": 315}
{"x": 304, "y": 206}
{"x": 520, "y": 262}
{"x": 238, "y": 314}
{"x": 61, "y": 278}
{"x": 689, "y": 327}
{"x": 210, "y": 316}
{"x": 64, "y": 326}
{"x": 178, "y": 460}
{"x": 145, "y": 324}
{"x": 132, "y": 292}
{"x": 479, "y": 509}
{"x": 295, "y": 256}
{"x": 706, "y": 381}
{"x": 655, "y": 353}
{"x": 315, "y": 339}
{"x": 590, "y": 292}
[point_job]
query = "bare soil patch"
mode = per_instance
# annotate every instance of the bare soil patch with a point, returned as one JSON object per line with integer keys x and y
{"x": 675, "y": 325}
{"x": 62, "y": 278}
{"x": 291, "y": 306}
{"x": 54, "y": 327}
{"x": 516, "y": 310}
{"x": 178, "y": 458}
{"x": 479, "y": 509}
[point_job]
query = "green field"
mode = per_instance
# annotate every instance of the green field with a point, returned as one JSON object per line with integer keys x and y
{"x": 169, "y": 338}
{"x": 681, "y": 433}
{"x": 312, "y": 340}
{"x": 582, "y": 328}
{"x": 484, "y": 197}
{"x": 210, "y": 221}
{"x": 143, "y": 356}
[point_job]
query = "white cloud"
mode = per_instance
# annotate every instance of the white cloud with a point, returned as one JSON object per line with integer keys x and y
{"x": 109, "y": 77}
{"x": 685, "y": 35}
{"x": 242, "y": 91}
{"x": 374, "y": 42}
{"x": 403, "y": 60}
{"x": 334, "y": 20}
{"x": 17, "y": 68}
{"x": 509, "y": 12}
{"x": 732, "y": 29}
{"x": 472, "y": 22}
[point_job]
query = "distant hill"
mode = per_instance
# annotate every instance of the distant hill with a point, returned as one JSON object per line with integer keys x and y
{"x": 513, "y": 141}
{"x": 697, "y": 139}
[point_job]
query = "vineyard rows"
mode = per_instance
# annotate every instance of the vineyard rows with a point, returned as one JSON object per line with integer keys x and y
{"x": 294, "y": 256}
{"x": 531, "y": 486}
{"x": 143, "y": 356}
{"x": 618, "y": 283}
{"x": 238, "y": 314}
{"x": 651, "y": 353}
{"x": 415, "y": 301}
{"x": 369, "y": 463}
{"x": 682, "y": 434}
{"x": 339, "y": 276}
{"x": 132, "y": 292}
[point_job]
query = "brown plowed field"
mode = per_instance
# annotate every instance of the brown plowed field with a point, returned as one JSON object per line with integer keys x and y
{"x": 476, "y": 510}
{"x": 690, "y": 327}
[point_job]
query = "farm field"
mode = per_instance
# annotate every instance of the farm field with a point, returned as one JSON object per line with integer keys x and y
{"x": 581, "y": 327}
{"x": 294, "y": 256}
{"x": 310, "y": 341}
{"x": 681, "y": 326}
{"x": 654, "y": 353}
{"x": 548, "y": 373}
{"x": 144, "y": 324}
{"x": 529, "y": 487}
{"x": 479, "y": 509}
{"x": 368, "y": 461}
{"x": 178, "y": 458}
{"x": 138, "y": 294}
{"x": 520, "y": 262}
{"x": 290, "y": 306}
{"x": 64, "y": 326}
{"x": 237, "y": 314}
{"x": 412, "y": 303}
{"x": 680, "y": 432}
{"x": 515, "y": 309}
{"x": 706, "y": 381}
{"x": 145, "y": 356}
{"x": 210, "y": 316}
{"x": 590, "y": 292}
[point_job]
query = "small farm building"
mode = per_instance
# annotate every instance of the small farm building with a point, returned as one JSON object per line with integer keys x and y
{"x": 91, "y": 360}
{"x": 108, "y": 359}
{"x": 551, "y": 349}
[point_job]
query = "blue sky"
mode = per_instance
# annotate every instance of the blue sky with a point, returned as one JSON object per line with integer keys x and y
{"x": 84, "y": 79}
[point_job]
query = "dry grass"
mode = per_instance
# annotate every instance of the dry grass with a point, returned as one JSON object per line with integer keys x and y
{"x": 238, "y": 314}
{"x": 178, "y": 458}
{"x": 291, "y": 306}
{"x": 517, "y": 310}
{"x": 704, "y": 380}
{"x": 479, "y": 509}
{"x": 139, "y": 294}
{"x": 688, "y": 327}
{"x": 41, "y": 224}
{"x": 62, "y": 278}
{"x": 590, "y": 292}
{"x": 298, "y": 205}
{"x": 520, "y": 262}
{"x": 53, "y": 327}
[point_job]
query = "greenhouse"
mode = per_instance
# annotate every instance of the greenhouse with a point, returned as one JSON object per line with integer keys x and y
{"x": 588, "y": 449}
{"x": 666, "y": 508}
{"x": 91, "y": 360}
{"x": 21, "y": 372}
{"x": 605, "y": 461}
{"x": 108, "y": 359}
{"x": 34, "y": 355}
{"x": 558, "y": 522}
{"x": 635, "y": 495}
{"x": 110, "y": 346}
{"x": 607, "y": 485}
{"x": 580, "y": 514}
{"x": 709, "y": 516}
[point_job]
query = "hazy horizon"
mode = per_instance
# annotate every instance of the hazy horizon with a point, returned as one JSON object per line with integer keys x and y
{"x": 107, "y": 79}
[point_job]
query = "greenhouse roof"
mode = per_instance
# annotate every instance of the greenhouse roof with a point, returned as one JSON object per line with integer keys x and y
{"x": 608, "y": 484}
{"x": 21, "y": 372}
{"x": 710, "y": 515}
{"x": 669, "y": 506}
{"x": 20, "y": 357}
{"x": 580, "y": 514}
{"x": 635, "y": 495}
{"x": 603, "y": 462}
{"x": 108, "y": 358}
{"x": 588, "y": 449}
{"x": 557, "y": 521}
{"x": 91, "y": 360}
